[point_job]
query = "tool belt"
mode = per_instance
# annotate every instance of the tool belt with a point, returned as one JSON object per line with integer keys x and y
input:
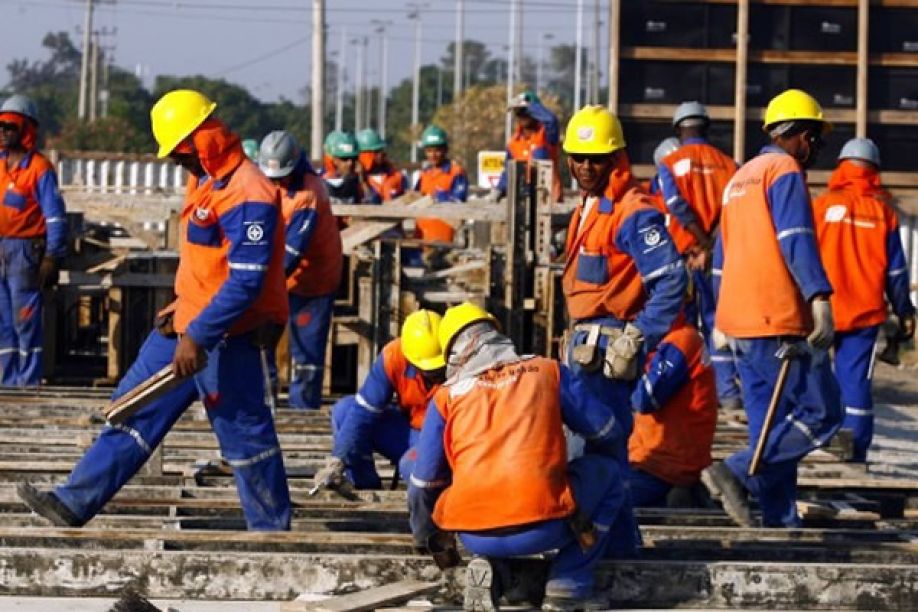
{"x": 586, "y": 355}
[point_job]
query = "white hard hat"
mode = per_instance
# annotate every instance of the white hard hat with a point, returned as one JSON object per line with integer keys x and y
{"x": 21, "y": 105}
{"x": 863, "y": 149}
{"x": 278, "y": 154}
{"x": 691, "y": 110}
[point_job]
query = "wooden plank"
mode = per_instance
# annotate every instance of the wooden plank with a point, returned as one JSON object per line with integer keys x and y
{"x": 739, "y": 100}
{"x": 863, "y": 20}
{"x": 475, "y": 210}
{"x": 115, "y": 295}
{"x": 370, "y": 599}
{"x": 767, "y": 56}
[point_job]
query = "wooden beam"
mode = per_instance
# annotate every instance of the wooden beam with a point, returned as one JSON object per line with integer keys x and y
{"x": 863, "y": 20}
{"x": 739, "y": 101}
{"x": 767, "y": 56}
{"x": 473, "y": 211}
{"x": 370, "y": 599}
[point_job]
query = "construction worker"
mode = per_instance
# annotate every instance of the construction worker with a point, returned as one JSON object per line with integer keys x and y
{"x": 536, "y": 136}
{"x": 312, "y": 261}
{"x": 386, "y": 414}
{"x": 692, "y": 181}
{"x": 33, "y": 240}
{"x": 858, "y": 233}
{"x": 676, "y": 406}
{"x": 341, "y": 177}
{"x": 381, "y": 180}
{"x": 623, "y": 280}
{"x": 492, "y": 466}
{"x": 230, "y": 293}
{"x": 773, "y": 304}
{"x": 442, "y": 179}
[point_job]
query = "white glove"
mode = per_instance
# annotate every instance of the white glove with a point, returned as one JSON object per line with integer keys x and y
{"x": 621, "y": 354}
{"x": 720, "y": 340}
{"x": 332, "y": 475}
{"x": 494, "y": 195}
{"x": 823, "y": 324}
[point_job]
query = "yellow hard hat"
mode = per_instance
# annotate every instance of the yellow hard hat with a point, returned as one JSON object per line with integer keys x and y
{"x": 794, "y": 105}
{"x": 176, "y": 115}
{"x": 420, "y": 341}
{"x": 593, "y": 130}
{"x": 457, "y": 319}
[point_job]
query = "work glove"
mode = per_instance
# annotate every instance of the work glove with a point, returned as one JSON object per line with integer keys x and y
{"x": 48, "y": 274}
{"x": 907, "y": 327}
{"x": 622, "y": 352}
{"x": 442, "y": 547}
{"x": 823, "y": 324}
{"x": 331, "y": 476}
{"x": 720, "y": 339}
{"x": 494, "y": 195}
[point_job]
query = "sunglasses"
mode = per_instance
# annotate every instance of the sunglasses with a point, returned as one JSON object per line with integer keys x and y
{"x": 814, "y": 139}
{"x": 9, "y": 127}
{"x": 593, "y": 158}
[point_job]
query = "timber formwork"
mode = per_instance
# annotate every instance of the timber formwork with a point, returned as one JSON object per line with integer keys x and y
{"x": 176, "y": 530}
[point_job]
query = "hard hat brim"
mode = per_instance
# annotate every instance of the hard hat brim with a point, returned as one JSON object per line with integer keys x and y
{"x": 275, "y": 174}
{"x": 429, "y": 364}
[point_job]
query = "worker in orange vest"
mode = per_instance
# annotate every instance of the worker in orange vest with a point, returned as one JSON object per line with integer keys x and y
{"x": 692, "y": 180}
{"x": 443, "y": 179}
{"x": 382, "y": 181}
{"x": 536, "y": 136}
{"x": 492, "y": 466}
{"x": 676, "y": 404}
{"x": 773, "y": 292}
{"x": 33, "y": 241}
{"x": 858, "y": 233}
{"x": 339, "y": 171}
{"x": 386, "y": 414}
{"x": 230, "y": 294}
{"x": 312, "y": 261}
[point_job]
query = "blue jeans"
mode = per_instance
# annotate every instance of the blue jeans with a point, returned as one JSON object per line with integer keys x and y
{"x": 232, "y": 389}
{"x": 20, "y": 313}
{"x": 854, "y": 352}
{"x": 599, "y": 492}
{"x": 389, "y": 434}
{"x": 807, "y": 416}
{"x": 310, "y": 320}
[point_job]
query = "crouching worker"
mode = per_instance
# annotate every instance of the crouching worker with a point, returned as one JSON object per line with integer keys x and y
{"x": 492, "y": 466}
{"x": 676, "y": 402}
{"x": 386, "y": 414}
{"x": 229, "y": 287}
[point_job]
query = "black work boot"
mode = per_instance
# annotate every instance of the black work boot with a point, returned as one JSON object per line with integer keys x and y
{"x": 481, "y": 586}
{"x": 48, "y": 506}
{"x": 729, "y": 491}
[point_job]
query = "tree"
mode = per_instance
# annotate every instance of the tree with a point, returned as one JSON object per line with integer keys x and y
{"x": 475, "y": 56}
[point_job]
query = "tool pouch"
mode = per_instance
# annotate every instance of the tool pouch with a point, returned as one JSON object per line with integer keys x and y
{"x": 586, "y": 355}
{"x": 619, "y": 364}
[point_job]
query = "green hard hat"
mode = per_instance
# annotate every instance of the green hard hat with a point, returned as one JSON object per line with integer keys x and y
{"x": 341, "y": 144}
{"x": 524, "y": 99}
{"x": 250, "y": 146}
{"x": 434, "y": 136}
{"x": 370, "y": 140}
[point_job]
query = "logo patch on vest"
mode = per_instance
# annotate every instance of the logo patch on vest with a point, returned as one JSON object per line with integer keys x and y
{"x": 682, "y": 167}
{"x": 201, "y": 214}
{"x": 255, "y": 233}
{"x": 652, "y": 237}
{"x": 836, "y": 213}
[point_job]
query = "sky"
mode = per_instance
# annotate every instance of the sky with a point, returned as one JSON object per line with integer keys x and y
{"x": 265, "y": 44}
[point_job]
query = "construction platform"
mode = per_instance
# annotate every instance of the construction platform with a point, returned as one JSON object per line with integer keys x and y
{"x": 177, "y": 532}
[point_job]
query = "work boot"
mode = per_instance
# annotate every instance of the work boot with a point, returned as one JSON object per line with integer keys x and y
{"x": 481, "y": 586}
{"x": 554, "y": 603}
{"x": 729, "y": 491}
{"x": 48, "y": 506}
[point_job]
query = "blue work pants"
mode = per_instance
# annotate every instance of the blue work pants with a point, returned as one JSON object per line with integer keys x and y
{"x": 854, "y": 355}
{"x": 808, "y": 415}
{"x": 647, "y": 491}
{"x": 232, "y": 389}
{"x": 310, "y": 320}
{"x": 725, "y": 374}
{"x": 599, "y": 492}
{"x": 20, "y": 312}
{"x": 390, "y": 435}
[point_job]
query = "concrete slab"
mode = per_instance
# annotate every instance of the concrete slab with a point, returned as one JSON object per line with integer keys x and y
{"x": 93, "y": 604}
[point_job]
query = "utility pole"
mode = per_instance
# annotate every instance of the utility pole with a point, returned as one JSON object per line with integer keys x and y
{"x": 518, "y": 72}
{"x": 439, "y": 86}
{"x": 381, "y": 29}
{"x": 318, "y": 77}
{"x": 84, "y": 61}
{"x": 540, "y": 67}
{"x": 459, "y": 49}
{"x": 416, "y": 85}
{"x": 359, "y": 87}
{"x": 578, "y": 46}
{"x": 368, "y": 100}
{"x": 94, "y": 77}
{"x": 615, "y": 16}
{"x": 594, "y": 64}
{"x": 339, "y": 85}
{"x": 511, "y": 65}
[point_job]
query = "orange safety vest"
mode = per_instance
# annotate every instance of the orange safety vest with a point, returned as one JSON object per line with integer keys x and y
{"x": 521, "y": 147}
{"x": 319, "y": 270}
{"x": 203, "y": 260}
{"x": 758, "y": 296}
{"x": 21, "y": 215}
{"x": 384, "y": 179}
{"x": 413, "y": 394}
{"x": 853, "y": 219}
{"x": 505, "y": 445}
{"x": 701, "y": 173}
{"x": 431, "y": 181}
{"x": 599, "y": 279}
{"x": 674, "y": 443}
